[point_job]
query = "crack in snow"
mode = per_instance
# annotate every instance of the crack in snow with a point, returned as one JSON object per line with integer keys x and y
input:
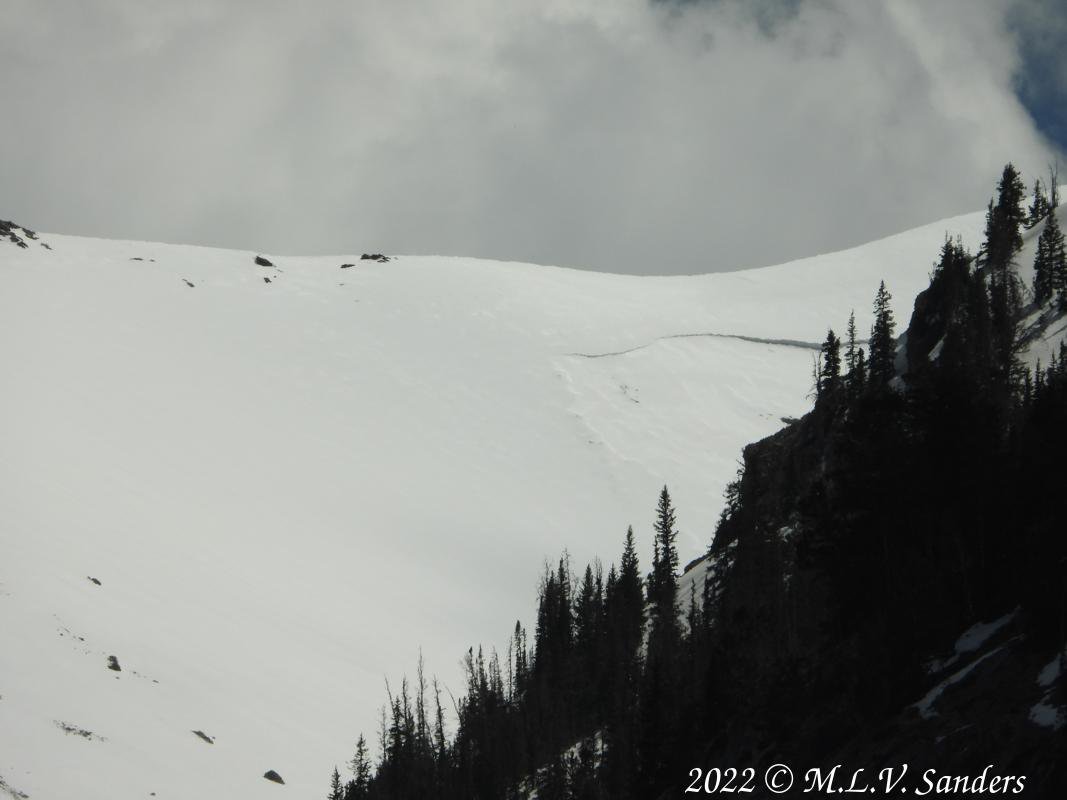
{"x": 754, "y": 339}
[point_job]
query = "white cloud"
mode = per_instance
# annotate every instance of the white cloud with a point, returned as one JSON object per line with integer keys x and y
{"x": 608, "y": 134}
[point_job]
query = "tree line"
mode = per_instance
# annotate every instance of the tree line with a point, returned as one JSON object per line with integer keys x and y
{"x": 920, "y": 493}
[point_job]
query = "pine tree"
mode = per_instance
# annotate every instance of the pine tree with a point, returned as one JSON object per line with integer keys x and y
{"x": 337, "y": 791}
{"x": 1003, "y": 241}
{"x": 665, "y": 571}
{"x": 520, "y": 668}
{"x": 660, "y": 682}
{"x": 361, "y": 767}
{"x": 850, "y": 352}
{"x": 1004, "y": 220}
{"x": 626, "y": 610}
{"x": 1039, "y": 206}
{"x": 440, "y": 745}
{"x": 1051, "y": 251}
{"x": 629, "y": 582}
{"x": 881, "y": 367}
{"x": 830, "y": 373}
{"x": 588, "y": 643}
{"x": 1043, "y": 273}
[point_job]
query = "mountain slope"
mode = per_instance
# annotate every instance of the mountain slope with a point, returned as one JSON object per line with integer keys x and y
{"x": 257, "y": 473}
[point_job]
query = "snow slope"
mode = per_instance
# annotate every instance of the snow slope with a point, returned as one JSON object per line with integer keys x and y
{"x": 285, "y": 488}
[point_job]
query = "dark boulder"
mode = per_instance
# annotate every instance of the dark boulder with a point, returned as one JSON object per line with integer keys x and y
{"x": 271, "y": 775}
{"x": 113, "y": 664}
{"x": 261, "y": 261}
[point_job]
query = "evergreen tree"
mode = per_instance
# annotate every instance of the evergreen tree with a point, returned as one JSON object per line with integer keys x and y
{"x": 665, "y": 573}
{"x": 520, "y": 667}
{"x": 830, "y": 373}
{"x": 660, "y": 683}
{"x": 588, "y": 645}
{"x": 850, "y": 354}
{"x": 881, "y": 367}
{"x": 1043, "y": 288}
{"x": 1039, "y": 206}
{"x": 337, "y": 791}
{"x": 359, "y": 787}
{"x": 1051, "y": 250}
{"x": 1003, "y": 241}
{"x": 1004, "y": 220}
{"x": 629, "y": 584}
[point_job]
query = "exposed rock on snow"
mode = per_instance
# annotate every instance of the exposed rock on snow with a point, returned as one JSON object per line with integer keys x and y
{"x": 6, "y": 788}
{"x": 11, "y": 232}
{"x": 74, "y": 730}
{"x": 205, "y": 737}
{"x": 113, "y": 664}
{"x": 263, "y": 262}
{"x": 271, "y": 775}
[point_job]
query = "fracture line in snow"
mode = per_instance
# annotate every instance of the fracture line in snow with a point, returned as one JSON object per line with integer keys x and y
{"x": 755, "y": 339}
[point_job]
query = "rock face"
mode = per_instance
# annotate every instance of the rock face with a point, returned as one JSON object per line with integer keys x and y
{"x": 205, "y": 737}
{"x": 271, "y": 775}
{"x": 113, "y": 664}
{"x": 261, "y": 261}
{"x": 373, "y": 257}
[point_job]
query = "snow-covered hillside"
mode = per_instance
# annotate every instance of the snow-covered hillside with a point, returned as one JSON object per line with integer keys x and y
{"x": 262, "y": 488}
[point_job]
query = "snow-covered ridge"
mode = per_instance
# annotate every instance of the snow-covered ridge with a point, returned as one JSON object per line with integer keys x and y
{"x": 262, "y": 496}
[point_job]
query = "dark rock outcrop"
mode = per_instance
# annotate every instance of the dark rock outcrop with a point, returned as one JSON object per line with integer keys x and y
{"x": 263, "y": 262}
{"x": 271, "y": 775}
{"x": 17, "y": 235}
{"x": 113, "y": 664}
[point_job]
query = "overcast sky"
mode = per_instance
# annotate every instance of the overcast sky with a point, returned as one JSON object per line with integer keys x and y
{"x": 622, "y": 135}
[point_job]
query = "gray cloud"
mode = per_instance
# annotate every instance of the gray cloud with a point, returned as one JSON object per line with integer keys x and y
{"x": 611, "y": 134}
